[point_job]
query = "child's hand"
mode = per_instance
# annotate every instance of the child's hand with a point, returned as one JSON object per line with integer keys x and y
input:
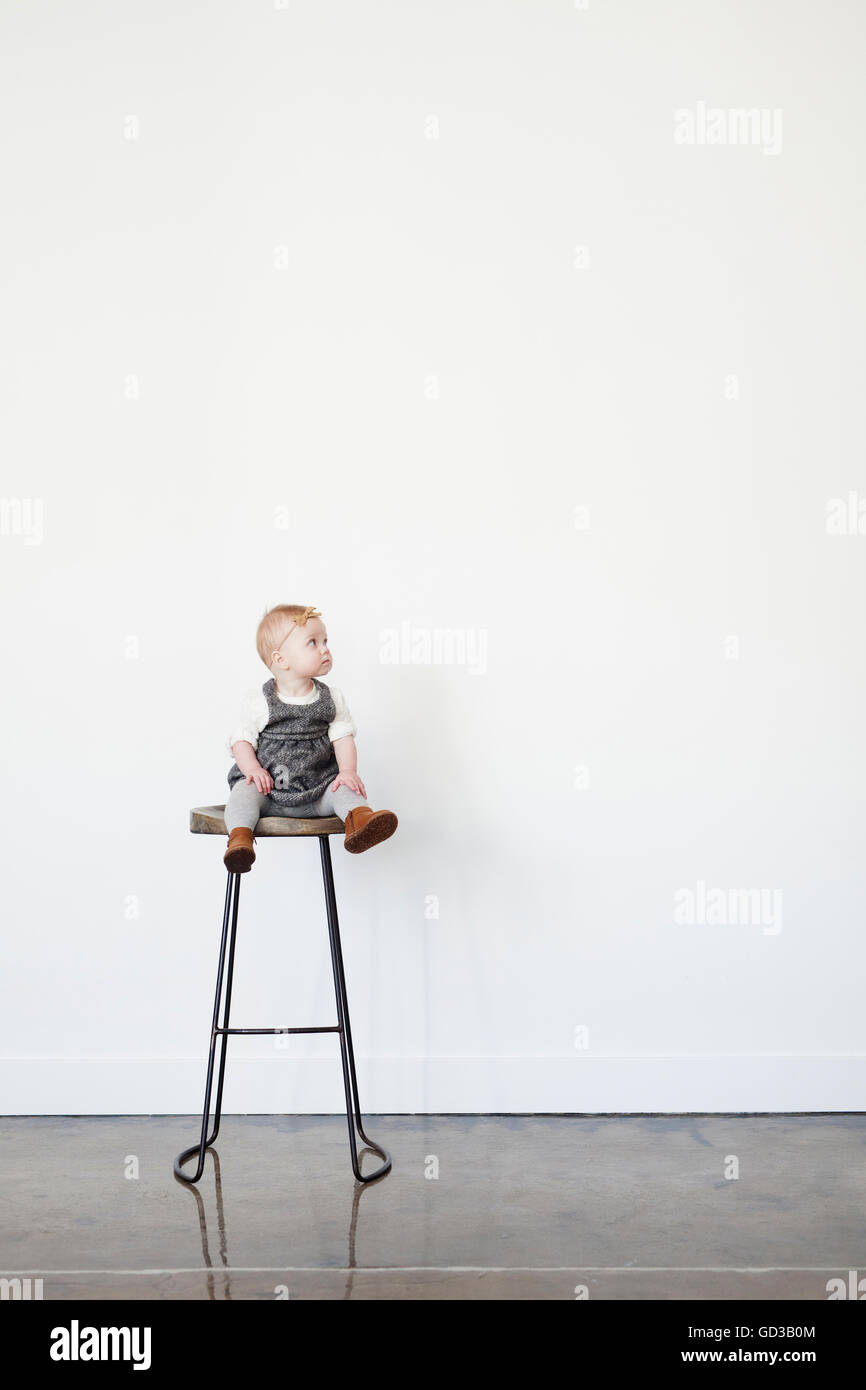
{"x": 262, "y": 779}
{"x": 351, "y": 780}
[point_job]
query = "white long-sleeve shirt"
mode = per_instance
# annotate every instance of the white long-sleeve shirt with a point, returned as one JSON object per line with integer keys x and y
{"x": 254, "y": 714}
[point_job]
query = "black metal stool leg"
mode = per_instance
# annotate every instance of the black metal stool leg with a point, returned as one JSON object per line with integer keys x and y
{"x": 353, "y": 1104}
{"x": 234, "y": 881}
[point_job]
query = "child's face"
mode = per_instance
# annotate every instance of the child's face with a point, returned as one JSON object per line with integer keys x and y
{"x": 305, "y": 650}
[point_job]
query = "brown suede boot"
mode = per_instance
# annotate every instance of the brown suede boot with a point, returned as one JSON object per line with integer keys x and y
{"x": 240, "y": 855}
{"x": 365, "y": 827}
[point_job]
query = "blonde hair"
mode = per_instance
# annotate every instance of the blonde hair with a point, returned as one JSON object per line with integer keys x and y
{"x": 276, "y": 625}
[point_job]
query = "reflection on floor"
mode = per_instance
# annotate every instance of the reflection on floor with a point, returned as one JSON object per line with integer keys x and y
{"x": 475, "y": 1207}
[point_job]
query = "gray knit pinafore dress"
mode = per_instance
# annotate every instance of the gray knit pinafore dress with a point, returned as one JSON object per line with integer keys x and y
{"x": 295, "y": 749}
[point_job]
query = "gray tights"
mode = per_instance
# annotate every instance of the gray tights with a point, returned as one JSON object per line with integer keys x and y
{"x": 246, "y": 804}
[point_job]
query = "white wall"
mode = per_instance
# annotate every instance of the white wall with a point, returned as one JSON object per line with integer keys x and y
{"x": 430, "y": 377}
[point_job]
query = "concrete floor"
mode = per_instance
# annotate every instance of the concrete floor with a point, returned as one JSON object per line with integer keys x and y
{"x": 523, "y": 1207}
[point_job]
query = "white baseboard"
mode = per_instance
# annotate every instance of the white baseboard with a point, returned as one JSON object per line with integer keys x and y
{"x": 285, "y": 1083}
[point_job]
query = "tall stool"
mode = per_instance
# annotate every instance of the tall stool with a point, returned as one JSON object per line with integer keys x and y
{"x": 208, "y": 820}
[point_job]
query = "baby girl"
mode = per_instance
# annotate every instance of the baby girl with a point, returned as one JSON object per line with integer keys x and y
{"x": 294, "y": 748}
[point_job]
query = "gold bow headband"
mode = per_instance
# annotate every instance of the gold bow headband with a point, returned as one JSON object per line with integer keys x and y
{"x": 301, "y": 620}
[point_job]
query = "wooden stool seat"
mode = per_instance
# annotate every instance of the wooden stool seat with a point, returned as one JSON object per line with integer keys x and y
{"x": 210, "y": 820}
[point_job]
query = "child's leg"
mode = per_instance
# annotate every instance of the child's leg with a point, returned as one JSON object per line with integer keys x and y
{"x": 339, "y": 803}
{"x": 364, "y": 826}
{"x": 244, "y": 805}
